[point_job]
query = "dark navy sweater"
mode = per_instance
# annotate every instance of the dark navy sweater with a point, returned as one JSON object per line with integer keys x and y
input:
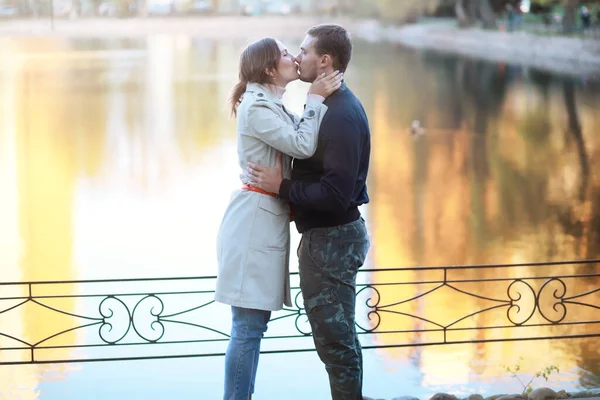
{"x": 327, "y": 188}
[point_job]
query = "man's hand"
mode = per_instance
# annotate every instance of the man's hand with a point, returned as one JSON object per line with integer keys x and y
{"x": 266, "y": 178}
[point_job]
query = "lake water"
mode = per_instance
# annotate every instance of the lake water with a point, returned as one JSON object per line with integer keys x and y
{"x": 117, "y": 159}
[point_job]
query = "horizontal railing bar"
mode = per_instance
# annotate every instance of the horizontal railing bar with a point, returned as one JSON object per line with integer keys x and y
{"x": 416, "y": 268}
{"x": 75, "y": 346}
{"x": 582, "y": 336}
{"x": 79, "y": 296}
{"x": 481, "y": 328}
{"x": 300, "y": 336}
{"x": 176, "y": 356}
{"x": 529, "y": 278}
{"x": 85, "y": 346}
{"x": 484, "y": 266}
{"x": 181, "y": 278}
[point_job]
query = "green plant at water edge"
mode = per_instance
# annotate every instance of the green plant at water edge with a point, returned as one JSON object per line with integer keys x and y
{"x": 527, "y": 388}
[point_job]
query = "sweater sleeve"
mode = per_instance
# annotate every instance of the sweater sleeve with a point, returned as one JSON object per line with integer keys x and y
{"x": 341, "y": 163}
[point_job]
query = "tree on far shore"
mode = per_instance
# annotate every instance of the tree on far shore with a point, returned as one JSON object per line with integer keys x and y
{"x": 570, "y": 17}
{"x": 469, "y": 11}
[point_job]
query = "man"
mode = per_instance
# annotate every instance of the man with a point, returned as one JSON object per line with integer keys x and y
{"x": 325, "y": 191}
{"x": 586, "y": 17}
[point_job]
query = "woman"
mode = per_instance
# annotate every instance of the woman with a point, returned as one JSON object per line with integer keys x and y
{"x": 253, "y": 244}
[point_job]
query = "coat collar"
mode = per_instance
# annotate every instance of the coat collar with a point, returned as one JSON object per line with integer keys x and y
{"x": 265, "y": 90}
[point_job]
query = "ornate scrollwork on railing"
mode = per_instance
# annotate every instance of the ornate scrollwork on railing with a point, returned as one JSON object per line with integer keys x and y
{"x": 301, "y": 321}
{"x": 148, "y": 326}
{"x": 516, "y": 296}
{"x": 115, "y": 324}
{"x": 372, "y": 306}
{"x": 558, "y": 311}
{"x": 447, "y": 301}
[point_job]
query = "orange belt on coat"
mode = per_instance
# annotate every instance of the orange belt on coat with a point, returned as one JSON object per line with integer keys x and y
{"x": 259, "y": 190}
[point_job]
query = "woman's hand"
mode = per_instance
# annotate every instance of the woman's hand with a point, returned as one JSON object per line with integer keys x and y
{"x": 326, "y": 85}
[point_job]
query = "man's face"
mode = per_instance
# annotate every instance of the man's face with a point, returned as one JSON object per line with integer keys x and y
{"x": 308, "y": 60}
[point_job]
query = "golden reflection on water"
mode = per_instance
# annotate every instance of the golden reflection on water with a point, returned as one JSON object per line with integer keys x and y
{"x": 118, "y": 158}
{"x": 506, "y": 183}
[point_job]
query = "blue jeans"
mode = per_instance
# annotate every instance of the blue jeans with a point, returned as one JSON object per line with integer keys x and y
{"x": 241, "y": 358}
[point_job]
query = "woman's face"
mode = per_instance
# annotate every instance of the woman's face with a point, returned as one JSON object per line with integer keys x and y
{"x": 287, "y": 69}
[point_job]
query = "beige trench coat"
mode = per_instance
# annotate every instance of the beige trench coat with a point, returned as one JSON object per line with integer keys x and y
{"x": 253, "y": 243}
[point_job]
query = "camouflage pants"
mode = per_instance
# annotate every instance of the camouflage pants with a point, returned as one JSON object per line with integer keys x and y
{"x": 329, "y": 259}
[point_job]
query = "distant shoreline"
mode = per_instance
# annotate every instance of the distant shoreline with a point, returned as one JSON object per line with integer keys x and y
{"x": 564, "y": 55}
{"x": 224, "y": 27}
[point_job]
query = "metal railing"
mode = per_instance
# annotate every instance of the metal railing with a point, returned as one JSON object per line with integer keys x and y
{"x": 129, "y": 319}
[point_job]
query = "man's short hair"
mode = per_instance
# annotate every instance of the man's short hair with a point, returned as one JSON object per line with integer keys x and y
{"x": 335, "y": 41}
